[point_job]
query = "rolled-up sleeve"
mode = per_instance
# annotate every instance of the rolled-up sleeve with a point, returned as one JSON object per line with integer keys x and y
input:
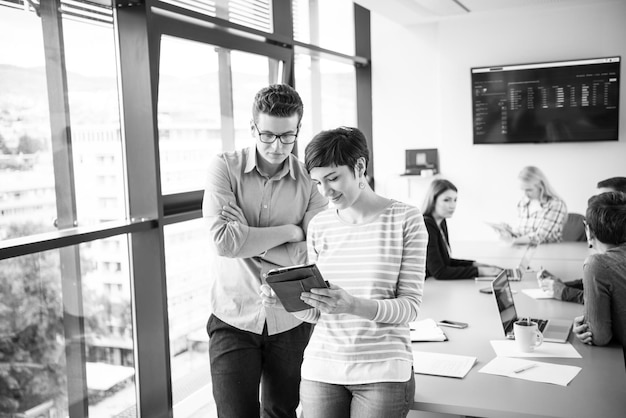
{"x": 227, "y": 237}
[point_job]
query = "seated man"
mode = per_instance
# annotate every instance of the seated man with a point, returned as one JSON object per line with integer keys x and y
{"x": 572, "y": 291}
{"x": 604, "y": 273}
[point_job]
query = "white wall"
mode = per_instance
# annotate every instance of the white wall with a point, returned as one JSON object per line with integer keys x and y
{"x": 421, "y": 99}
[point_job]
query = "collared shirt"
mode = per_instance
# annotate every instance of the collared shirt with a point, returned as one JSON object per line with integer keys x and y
{"x": 543, "y": 223}
{"x": 282, "y": 199}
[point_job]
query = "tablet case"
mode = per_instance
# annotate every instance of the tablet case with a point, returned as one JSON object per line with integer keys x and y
{"x": 289, "y": 282}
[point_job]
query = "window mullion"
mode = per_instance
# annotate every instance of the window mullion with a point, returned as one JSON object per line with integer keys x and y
{"x": 65, "y": 190}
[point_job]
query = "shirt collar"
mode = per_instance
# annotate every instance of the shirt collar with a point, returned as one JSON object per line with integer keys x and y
{"x": 251, "y": 164}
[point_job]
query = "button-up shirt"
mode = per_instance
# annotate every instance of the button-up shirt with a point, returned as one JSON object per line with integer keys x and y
{"x": 543, "y": 223}
{"x": 283, "y": 199}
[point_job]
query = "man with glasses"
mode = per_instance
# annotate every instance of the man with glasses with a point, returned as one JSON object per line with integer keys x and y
{"x": 258, "y": 202}
{"x": 572, "y": 291}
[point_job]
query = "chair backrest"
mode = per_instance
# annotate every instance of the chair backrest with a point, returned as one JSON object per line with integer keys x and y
{"x": 574, "y": 228}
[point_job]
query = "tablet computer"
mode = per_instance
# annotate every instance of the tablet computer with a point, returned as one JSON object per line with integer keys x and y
{"x": 289, "y": 282}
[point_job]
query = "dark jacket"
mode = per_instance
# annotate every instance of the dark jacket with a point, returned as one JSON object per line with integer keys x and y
{"x": 439, "y": 264}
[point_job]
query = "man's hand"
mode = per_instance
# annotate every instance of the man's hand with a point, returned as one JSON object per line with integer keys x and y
{"x": 233, "y": 213}
{"x": 581, "y": 330}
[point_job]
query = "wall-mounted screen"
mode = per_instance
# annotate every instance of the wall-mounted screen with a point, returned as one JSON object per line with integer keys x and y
{"x": 565, "y": 101}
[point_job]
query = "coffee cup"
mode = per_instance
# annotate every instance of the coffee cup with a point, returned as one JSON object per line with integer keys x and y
{"x": 527, "y": 335}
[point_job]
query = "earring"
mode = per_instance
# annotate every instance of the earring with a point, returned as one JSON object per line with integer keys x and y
{"x": 361, "y": 185}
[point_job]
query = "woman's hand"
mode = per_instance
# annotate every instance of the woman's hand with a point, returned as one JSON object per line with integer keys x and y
{"x": 489, "y": 270}
{"x": 335, "y": 300}
{"x": 581, "y": 330}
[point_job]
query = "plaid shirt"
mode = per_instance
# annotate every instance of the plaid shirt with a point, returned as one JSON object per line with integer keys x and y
{"x": 543, "y": 225}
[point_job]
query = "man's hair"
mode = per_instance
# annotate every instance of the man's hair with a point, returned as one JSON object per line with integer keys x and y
{"x": 614, "y": 183}
{"x": 436, "y": 188}
{"x": 278, "y": 100}
{"x": 341, "y": 146}
{"x": 606, "y": 217}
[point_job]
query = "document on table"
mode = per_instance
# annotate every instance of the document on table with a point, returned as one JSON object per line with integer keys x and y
{"x": 535, "y": 371}
{"x": 426, "y": 330}
{"x": 449, "y": 365}
{"x": 538, "y": 293}
{"x": 507, "y": 348}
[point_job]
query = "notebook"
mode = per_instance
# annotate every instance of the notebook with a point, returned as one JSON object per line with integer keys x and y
{"x": 553, "y": 330}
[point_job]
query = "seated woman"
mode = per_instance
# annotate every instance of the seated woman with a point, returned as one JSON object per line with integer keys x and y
{"x": 541, "y": 211}
{"x": 439, "y": 204}
{"x": 604, "y": 272}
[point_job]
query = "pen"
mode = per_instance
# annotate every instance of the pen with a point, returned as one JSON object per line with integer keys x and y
{"x": 524, "y": 368}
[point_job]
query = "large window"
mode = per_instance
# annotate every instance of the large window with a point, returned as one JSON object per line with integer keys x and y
{"x": 108, "y": 118}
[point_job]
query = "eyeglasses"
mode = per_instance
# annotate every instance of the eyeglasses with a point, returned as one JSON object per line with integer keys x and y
{"x": 269, "y": 138}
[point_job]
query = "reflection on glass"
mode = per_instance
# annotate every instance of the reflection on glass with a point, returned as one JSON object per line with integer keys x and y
{"x": 188, "y": 113}
{"x": 108, "y": 330}
{"x": 32, "y": 357}
{"x": 37, "y": 314}
{"x": 250, "y": 73}
{"x": 327, "y": 24}
{"x": 27, "y": 196}
{"x": 188, "y": 268}
{"x": 328, "y": 90}
{"x": 95, "y": 119}
{"x": 199, "y": 113}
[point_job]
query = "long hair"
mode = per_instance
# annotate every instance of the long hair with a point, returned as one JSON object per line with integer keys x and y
{"x": 436, "y": 188}
{"x": 534, "y": 176}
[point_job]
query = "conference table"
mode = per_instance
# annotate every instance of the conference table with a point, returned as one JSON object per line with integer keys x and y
{"x": 599, "y": 389}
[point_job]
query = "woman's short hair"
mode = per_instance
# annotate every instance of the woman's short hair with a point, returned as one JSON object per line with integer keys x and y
{"x": 436, "y": 188}
{"x": 533, "y": 175}
{"x": 279, "y": 100}
{"x": 341, "y": 146}
{"x": 606, "y": 217}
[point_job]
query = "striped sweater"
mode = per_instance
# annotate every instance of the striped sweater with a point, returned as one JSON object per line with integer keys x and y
{"x": 383, "y": 260}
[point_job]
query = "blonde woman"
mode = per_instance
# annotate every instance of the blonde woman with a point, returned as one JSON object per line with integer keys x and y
{"x": 541, "y": 212}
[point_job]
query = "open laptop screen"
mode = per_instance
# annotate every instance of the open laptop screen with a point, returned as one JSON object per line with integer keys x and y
{"x": 504, "y": 298}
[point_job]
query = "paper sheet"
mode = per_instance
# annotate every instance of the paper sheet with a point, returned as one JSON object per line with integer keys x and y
{"x": 538, "y": 293}
{"x": 449, "y": 365}
{"x": 507, "y": 348}
{"x": 556, "y": 374}
{"x": 426, "y": 330}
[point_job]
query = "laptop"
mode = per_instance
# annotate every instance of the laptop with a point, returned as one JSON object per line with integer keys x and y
{"x": 516, "y": 274}
{"x": 553, "y": 330}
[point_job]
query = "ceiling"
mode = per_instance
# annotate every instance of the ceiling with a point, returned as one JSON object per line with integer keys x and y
{"x": 414, "y": 12}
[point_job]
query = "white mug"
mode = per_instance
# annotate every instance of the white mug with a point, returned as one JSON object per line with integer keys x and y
{"x": 527, "y": 335}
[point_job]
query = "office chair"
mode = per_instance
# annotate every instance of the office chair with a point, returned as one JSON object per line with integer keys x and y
{"x": 574, "y": 229}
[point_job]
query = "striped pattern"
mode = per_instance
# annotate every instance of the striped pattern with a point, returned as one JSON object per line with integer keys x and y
{"x": 383, "y": 260}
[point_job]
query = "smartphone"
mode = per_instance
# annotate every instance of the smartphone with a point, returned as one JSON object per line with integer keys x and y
{"x": 453, "y": 324}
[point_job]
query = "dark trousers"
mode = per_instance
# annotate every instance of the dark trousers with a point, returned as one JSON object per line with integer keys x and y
{"x": 242, "y": 360}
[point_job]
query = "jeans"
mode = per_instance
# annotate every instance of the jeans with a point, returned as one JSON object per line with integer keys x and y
{"x": 241, "y": 360}
{"x": 372, "y": 400}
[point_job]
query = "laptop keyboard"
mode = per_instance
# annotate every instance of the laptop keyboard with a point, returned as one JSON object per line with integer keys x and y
{"x": 513, "y": 275}
{"x": 541, "y": 323}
